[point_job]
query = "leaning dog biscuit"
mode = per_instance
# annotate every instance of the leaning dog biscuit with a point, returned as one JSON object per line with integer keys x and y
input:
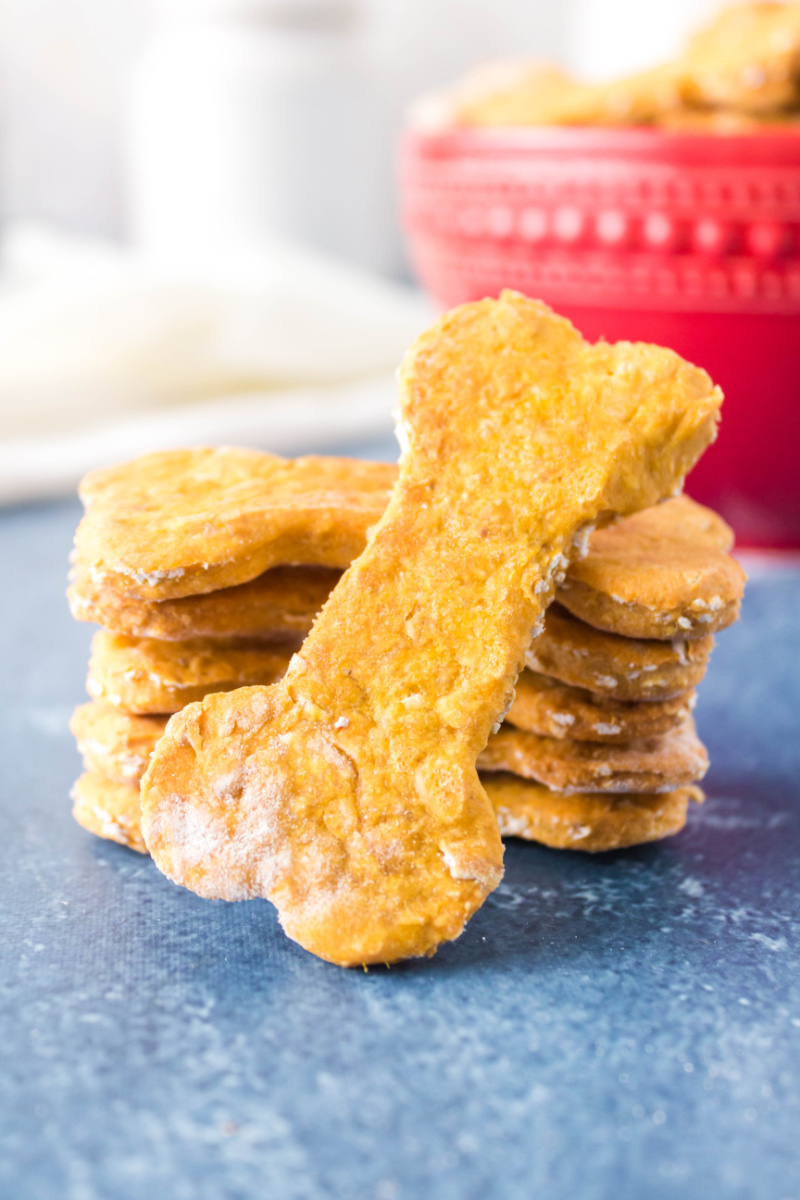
{"x": 348, "y": 793}
{"x": 554, "y": 709}
{"x": 585, "y": 821}
{"x": 280, "y": 603}
{"x": 109, "y": 810}
{"x": 182, "y": 522}
{"x": 143, "y": 675}
{"x": 662, "y": 573}
{"x": 621, "y": 668}
{"x": 657, "y": 764}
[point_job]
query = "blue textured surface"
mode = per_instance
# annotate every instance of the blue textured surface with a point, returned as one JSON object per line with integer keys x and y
{"x": 625, "y": 1026}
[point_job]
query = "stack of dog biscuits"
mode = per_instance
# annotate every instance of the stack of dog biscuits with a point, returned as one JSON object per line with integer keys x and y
{"x": 181, "y": 559}
{"x": 206, "y": 569}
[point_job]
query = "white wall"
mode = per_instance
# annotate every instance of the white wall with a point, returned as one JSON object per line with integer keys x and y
{"x": 65, "y": 66}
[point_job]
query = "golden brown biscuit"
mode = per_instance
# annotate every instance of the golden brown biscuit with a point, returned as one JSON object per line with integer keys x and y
{"x": 747, "y": 58}
{"x": 614, "y": 667}
{"x": 585, "y": 821}
{"x": 539, "y": 94}
{"x": 182, "y": 522}
{"x": 673, "y": 552}
{"x": 657, "y": 764}
{"x": 348, "y": 793}
{"x": 110, "y": 810}
{"x": 662, "y": 573}
{"x": 554, "y": 709}
{"x": 143, "y": 675}
{"x": 280, "y": 603}
{"x": 115, "y": 743}
{"x": 591, "y": 821}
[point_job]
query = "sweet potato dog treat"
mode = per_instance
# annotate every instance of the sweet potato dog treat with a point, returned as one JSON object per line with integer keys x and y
{"x": 536, "y": 93}
{"x": 348, "y": 794}
{"x": 585, "y": 821}
{"x": 183, "y": 522}
{"x": 109, "y": 810}
{"x": 554, "y": 709}
{"x": 662, "y": 573}
{"x": 657, "y": 764}
{"x": 114, "y": 743}
{"x": 142, "y": 675}
{"x": 280, "y": 603}
{"x": 616, "y": 667}
{"x": 747, "y": 58}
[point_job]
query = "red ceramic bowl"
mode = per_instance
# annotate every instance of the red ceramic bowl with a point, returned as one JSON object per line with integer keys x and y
{"x": 691, "y": 241}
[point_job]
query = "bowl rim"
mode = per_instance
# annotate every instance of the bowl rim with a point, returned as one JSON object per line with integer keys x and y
{"x": 771, "y": 145}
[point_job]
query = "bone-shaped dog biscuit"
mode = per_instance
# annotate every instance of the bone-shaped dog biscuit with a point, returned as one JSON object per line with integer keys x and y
{"x": 554, "y": 709}
{"x": 280, "y": 603}
{"x": 588, "y": 821}
{"x": 144, "y": 675}
{"x": 114, "y": 743}
{"x": 620, "y": 668}
{"x": 109, "y": 810}
{"x": 348, "y": 793}
{"x": 658, "y": 764}
{"x": 182, "y": 522}
{"x": 662, "y": 573}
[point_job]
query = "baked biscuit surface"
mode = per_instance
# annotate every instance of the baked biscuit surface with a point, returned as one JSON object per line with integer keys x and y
{"x": 619, "y": 668}
{"x": 280, "y": 603}
{"x": 661, "y": 573}
{"x": 747, "y": 59}
{"x": 657, "y": 764}
{"x": 348, "y": 793}
{"x": 145, "y": 675}
{"x": 182, "y": 522}
{"x": 586, "y": 821}
{"x": 552, "y": 709}
{"x": 108, "y": 809}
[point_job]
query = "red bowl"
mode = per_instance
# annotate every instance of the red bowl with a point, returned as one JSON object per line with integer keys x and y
{"x": 688, "y": 240}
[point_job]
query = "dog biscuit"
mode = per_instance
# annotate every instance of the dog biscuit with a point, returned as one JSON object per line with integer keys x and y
{"x": 590, "y": 821}
{"x": 556, "y": 710}
{"x": 616, "y": 667}
{"x": 280, "y": 603}
{"x": 143, "y": 675}
{"x": 531, "y": 93}
{"x": 747, "y": 59}
{"x": 109, "y": 810}
{"x": 182, "y": 522}
{"x": 348, "y": 793}
{"x": 657, "y": 764}
{"x": 662, "y": 573}
{"x": 114, "y": 743}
